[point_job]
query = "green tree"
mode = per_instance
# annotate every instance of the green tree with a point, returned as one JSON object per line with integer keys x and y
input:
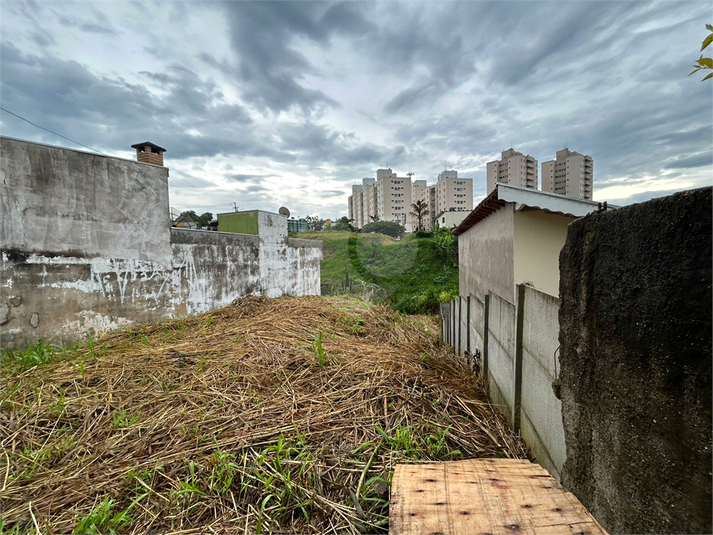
{"x": 343, "y": 223}
{"x": 203, "y": 220}
{"x": 419, "y": 209}
{"x": 702, "y": 63}
{"x": 315, "y": 223}
{"x": 390, "y": 228}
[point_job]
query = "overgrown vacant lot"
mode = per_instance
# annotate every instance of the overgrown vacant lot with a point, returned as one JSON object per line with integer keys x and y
{"x": 281, "y": 415}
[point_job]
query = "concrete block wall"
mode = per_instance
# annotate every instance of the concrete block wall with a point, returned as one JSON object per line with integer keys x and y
{"x": 501, "y": 354}
{"x": 540, "y": 410}
{"x": 515, "y": 347}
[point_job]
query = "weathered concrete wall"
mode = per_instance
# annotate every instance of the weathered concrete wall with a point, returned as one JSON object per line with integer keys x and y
{"x": 520, "y": 369}
{"x": 501, "y": 354}
{"x": 57, "y": 201}
{"x": 212, "y": 269}
{"x": 477, "y": 324}
{"x": 84, "y": 240}
{"x": 541, "y": 412}
{"x": 60, "y": 298}
{"x": 86, "y": 246}
{"x": 486, "y": 256}
{"x": 635, "y": 339}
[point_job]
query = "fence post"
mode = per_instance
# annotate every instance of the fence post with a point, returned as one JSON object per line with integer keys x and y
{"x": 453, "y": 325}
{"x": 486, "y": 318}
{"x": 450, "y": 323}
{"x": 518, "y": 357}
{"x": 467, "y": 326}
{"x": 460, "y": 325}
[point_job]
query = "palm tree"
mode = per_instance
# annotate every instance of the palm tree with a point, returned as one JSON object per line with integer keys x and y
{"x": 419, "y": 210}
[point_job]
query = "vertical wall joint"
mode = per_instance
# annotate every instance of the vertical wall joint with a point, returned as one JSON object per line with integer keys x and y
{"x": 518, "y": 357}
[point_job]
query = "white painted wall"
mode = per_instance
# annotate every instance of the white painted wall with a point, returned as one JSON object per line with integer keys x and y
{"x": 539, "y": 238}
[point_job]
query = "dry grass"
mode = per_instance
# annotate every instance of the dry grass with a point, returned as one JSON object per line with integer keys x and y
{"x": 281, "y": 415}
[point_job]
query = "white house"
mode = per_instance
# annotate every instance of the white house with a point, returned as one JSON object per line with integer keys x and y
{"x": 515, "y": 236}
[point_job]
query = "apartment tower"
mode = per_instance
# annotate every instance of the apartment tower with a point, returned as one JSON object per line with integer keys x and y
{"x": 421, "y": 192}
{"x": 513, "y": 168}
{"x": 571, "y": 174}
{"x": 393, "y": 197}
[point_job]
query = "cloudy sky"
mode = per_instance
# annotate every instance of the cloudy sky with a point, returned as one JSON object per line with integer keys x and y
{"x": 265, "y": 104}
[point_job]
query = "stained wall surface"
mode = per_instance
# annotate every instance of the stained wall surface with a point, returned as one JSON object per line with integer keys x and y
{"x": 486, "y": 256}
{"x": 635, "y": 335}
{"x": 86, "y": 246}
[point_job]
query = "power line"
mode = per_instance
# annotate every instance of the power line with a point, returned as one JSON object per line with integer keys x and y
{"x": 50, "y": 131}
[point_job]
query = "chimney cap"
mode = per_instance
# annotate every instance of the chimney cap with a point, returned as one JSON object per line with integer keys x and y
{"x": 154, "y": 147}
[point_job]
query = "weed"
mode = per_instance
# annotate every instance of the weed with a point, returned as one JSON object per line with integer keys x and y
{"x": 436, "y": 446}
{"x": 37, "y": 354}
{"x": 224, "y": 468}
{"x": 404, "y": 440}
{"x": 20, "y": 528}
{"x": 57, "y": 407}
{"x": 120, "y": 419}
{"x": 320, "y": 355}
{"x": 102, "y": 519}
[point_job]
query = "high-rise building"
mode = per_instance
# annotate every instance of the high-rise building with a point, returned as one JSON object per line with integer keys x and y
{"x": 369, "y": 202}
{"x": 389, "y": 197}
{"x": 453, "y": 193}
{"x": 571, "y": 174}
{"x": 393, "y": 197}
{"x": 513, "y": 168}
{"x": 421, "y": 192}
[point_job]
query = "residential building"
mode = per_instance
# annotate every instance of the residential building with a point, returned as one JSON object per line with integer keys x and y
{"x": 358, "y": 206}
{"x": 571, "y": 174}
{"x": 422, "y": 192}
{"x": 513, "y": 168}
{"x": 369, "y": 200}
{"x": 393, "y": 198}
{"x": 515, "y": 236}
{"x": 449, "y": 219}
{"x": 453, "y": 193}
{"x": 389, "y": 197}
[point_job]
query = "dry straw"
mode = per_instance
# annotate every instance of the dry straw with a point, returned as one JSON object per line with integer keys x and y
{"x": 271, "y": 415}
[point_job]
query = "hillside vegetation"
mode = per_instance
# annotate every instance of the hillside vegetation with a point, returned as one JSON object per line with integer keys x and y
{"x": 413, "y": 275}
{"x": 268, "y": 416}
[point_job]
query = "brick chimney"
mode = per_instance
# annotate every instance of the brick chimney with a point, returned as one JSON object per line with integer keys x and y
{"x": 148, "y": 152}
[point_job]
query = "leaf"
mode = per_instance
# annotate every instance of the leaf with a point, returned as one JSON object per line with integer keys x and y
{"x": 710, "y": 75}
{"x": 706, "y": 62}
{"x": 707, "y": 41}
{"x": 709, "y": 27}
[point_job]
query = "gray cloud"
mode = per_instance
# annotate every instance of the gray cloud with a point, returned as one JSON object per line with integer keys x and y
{"x": 696, "y": 160}
{"x": 450, "y": 82}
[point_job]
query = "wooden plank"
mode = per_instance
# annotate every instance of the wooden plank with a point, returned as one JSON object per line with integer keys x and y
{"x": 484, "y": 496}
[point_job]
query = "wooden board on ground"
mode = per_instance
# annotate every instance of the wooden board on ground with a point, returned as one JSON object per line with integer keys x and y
{"x": 484, "y": 496}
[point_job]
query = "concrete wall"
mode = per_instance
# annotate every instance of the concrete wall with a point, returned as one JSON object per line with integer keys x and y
{"x": 514, "y": 346}
{"x": 87, "y": 247}
{"x": 541, "y": 412}
{"x": 57, "y": 201}
{"x": 486, "y": 256}
{"x": 636, "y": 363}
{"x": 501, "y": 354}
{"x": 539, "y": 238}
{"x": 211, "y": 269}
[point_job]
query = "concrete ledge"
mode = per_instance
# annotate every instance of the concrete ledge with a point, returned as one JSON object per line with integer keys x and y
{"x": 299, "y": 242}
{"x": 210, "y": 237}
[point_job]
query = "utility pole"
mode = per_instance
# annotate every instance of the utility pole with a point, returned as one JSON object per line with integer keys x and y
{"x": 235, "y": 206}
